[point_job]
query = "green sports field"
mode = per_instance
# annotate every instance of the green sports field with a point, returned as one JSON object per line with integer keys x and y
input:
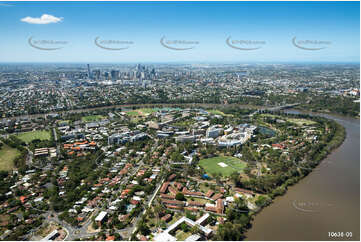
{"x": 27, "y": 137}
{"x": 140, "y": 112}
{"x": 7, "y": 156}
{"x": 211, "y": 165}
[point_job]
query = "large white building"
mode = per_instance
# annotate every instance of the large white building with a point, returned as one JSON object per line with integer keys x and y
{"x": 165, "y": 235}
{"x": 214, "y": 132}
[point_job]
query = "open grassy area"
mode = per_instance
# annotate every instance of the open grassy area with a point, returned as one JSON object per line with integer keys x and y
{"x": 4, "y": 218}
{"x": 211, "y": 165}
{"x": 196, "y": 199}
{"x": 132, "y": 113}
{"x": 269, "y": 115}
{"x": 218, "y": 112}
{"x": 140, "y": 112}
{"x": 301, "y": 121}
{"x": 184, "y": 123}
{"x": 63, "y": 122}
{"x": 181, "y": 236}
{"x": 45, "y": 230}
{"x": 147, "y": 110}
{"x": 27, "y": 137}
{"x": 175, "y": 218}
{"x": 204, "y": 188}
{"x": 298, "y": 121}
{"x": 92, "y": 118}
{"x": 7, "y": 156}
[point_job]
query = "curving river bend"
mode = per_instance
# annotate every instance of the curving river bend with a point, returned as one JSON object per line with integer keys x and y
{"x": 327, "y": 200}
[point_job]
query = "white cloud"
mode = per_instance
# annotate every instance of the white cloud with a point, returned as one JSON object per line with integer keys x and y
{"x": 44, "y": 19}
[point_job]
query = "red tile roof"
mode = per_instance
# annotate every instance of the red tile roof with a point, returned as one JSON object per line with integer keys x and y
{"x": 110, "y": 238}
{"x": 166, "y": 217}
{"x": 171, "y": 177}
{"x": 196, "y": 204}
{"x": 209, "y": 193}
{"x": 172, "y": 201}
{"x": 216, "y": 196}
{"x": 237, "y": 189}
{"x": 167, "y": 196}
{"x": 164, "y": 187}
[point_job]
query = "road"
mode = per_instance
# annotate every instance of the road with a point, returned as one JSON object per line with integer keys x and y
{"x": 155, "y": 193}
{"x": 29, "y": 157}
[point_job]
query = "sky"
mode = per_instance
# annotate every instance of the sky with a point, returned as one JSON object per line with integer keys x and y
{"x": 179, "y": 32}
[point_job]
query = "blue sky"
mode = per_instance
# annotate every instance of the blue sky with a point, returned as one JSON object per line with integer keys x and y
{"x": 275, "y": 24}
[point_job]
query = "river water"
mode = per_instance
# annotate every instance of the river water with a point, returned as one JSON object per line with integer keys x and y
{"x": 327, "y": 200}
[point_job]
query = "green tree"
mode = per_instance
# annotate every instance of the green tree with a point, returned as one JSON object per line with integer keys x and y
{"x": 180, "y": 196}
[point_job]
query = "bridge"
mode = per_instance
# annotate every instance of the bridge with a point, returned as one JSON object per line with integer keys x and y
{"x": 274, "y": 109}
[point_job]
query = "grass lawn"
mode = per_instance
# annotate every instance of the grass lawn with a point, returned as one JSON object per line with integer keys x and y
{"x": 181, "y": 236}
{"x": 175, "y": 218}
{"x": 185, "y": 123}
{"x": 147, "y": 110}
{"x": 298, "y": 121}
{"x": 92, "y": 118}
{"x": 132, "y": 113}
{"x": 196, "y": 199}
{"x": 269, "y": 115}
{"x": 27, "y": 137}
{"x": 7, "y": 156}
{"x": 301, "y": 121}
{"x": 64, "y": 122}
{"x": 204, "y": 188}
{"x": 217, "y": 112}
{"x": 4, "y": 218}
{"x": 211, "y": 165}
{"x": 140, "y": 112}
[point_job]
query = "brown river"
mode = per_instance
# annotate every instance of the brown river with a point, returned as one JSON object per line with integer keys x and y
{"x": 325, "y": 205}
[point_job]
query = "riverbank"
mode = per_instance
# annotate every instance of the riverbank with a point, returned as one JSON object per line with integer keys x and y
{"x": 329, "y": 113}
{"x": 316, "y": 202}
{"x": 338, "y": 136}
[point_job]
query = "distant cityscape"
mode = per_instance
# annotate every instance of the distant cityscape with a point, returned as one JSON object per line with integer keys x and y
{"x": 35, "y": 89}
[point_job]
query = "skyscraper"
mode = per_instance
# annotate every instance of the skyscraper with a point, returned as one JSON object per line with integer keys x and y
{"x": 89, "y": 73}
{"x": 114, "y": 74}
{"x": 96, "y": 75}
